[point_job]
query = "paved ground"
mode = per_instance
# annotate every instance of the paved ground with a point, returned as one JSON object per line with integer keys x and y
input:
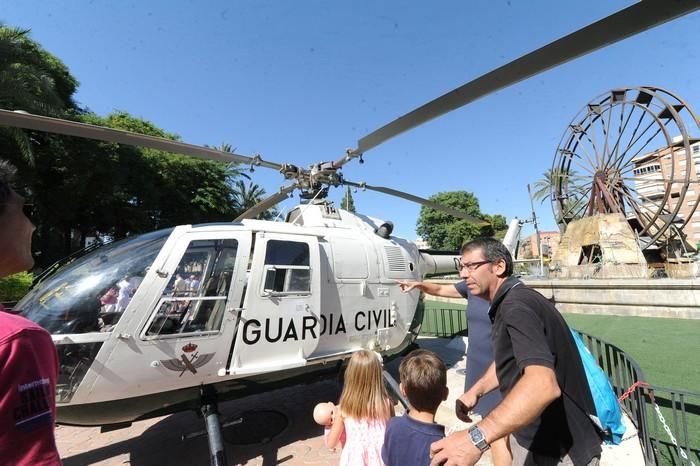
{"x": 300, "y": 442}
{"x": 158, "y": 441}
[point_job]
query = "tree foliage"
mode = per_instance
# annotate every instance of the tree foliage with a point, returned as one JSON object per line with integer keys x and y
{"x": 572, "y": 187}
{"x": 443, "y": 231}
{"x": 553, "y": 180}
{"x": 88, "y": 188}
{"x": 246, "y": 196}
{"x": 84, "y": 188}
{"x": 347, "y": 202}
{"x": 31, "y": 80}
{"x": 15, "y": 286}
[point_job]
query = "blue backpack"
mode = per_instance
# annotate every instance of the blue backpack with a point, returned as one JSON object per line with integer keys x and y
{"x": 608, "y": 417}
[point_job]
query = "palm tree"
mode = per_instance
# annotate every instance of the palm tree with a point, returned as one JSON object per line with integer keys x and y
{"x": 30, "y": 79}
{"x": 232, "y": 168}
{"x": 25, "y": 80}
{"x": 247, "y": 196}
{"x": 569, "y": 183}
{"x": 551, "y": 180}
{"x": 543, "y": 187}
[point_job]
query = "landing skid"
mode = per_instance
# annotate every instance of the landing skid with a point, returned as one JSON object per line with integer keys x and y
{"x": 393, "y": 387}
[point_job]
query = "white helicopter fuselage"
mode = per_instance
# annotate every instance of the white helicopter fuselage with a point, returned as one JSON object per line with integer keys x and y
{"x": 273, "y": 300}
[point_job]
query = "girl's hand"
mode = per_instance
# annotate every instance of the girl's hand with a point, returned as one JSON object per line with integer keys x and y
{"x": 337, "y": 429}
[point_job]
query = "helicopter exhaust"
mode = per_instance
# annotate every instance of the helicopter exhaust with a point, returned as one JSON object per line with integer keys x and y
{"x": 438, "y": 262}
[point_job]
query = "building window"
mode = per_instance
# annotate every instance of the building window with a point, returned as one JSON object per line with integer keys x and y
{"x": 647, "y": 169}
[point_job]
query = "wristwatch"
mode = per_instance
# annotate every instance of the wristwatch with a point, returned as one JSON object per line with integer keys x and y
{"x": 478, "y": 439}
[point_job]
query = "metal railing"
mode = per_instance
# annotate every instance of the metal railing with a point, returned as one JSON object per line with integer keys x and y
{"x": 675, "y": 414}
{"x": 661, "y": 415}
{"x": 665, "y": 418}
{"x": 443, "y": 322}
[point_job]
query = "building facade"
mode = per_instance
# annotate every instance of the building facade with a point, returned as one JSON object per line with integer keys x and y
{"x": 656, "y": 170}
{"x": 550, "y": 245}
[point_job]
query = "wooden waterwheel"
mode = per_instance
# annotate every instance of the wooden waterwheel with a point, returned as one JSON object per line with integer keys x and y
{"x": 629, "y": 152}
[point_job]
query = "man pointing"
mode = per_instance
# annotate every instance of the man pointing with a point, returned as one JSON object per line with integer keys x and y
{"x": 536, "y": 367}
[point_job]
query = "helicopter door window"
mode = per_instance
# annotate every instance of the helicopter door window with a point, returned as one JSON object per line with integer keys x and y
{"x": 287, "y": 268}
{"x": 195, "y": 298}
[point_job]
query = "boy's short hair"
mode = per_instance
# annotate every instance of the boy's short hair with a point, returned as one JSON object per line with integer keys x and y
{"x": 424, "y": 378}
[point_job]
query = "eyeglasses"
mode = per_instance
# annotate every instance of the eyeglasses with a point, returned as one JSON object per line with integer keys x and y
{"x": 470, "y": 266}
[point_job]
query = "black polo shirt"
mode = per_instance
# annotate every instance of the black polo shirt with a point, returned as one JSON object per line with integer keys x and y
{"x": 529, "y": 330}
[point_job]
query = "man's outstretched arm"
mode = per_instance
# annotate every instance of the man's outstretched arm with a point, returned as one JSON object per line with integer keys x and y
{"x": 434, "y": 289}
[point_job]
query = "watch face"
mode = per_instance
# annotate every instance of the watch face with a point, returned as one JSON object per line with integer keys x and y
{"x": 476, "y": 435}
{"x": 478, "y": 439}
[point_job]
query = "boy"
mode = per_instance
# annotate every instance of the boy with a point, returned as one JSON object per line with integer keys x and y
{"x": 424, "y": 382}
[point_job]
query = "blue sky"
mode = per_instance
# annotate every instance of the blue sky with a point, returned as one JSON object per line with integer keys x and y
{"x": 300, "y": 81}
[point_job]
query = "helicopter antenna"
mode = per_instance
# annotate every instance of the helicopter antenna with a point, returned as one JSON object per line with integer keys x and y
{"x": 278, "y": 217}
{"x": 537, "y": 230}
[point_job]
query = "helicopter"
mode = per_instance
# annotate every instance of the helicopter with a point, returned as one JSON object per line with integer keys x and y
{"x": 203, "y": 313}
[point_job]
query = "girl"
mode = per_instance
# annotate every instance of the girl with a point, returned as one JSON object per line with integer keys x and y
{"x": 364, "y": 409}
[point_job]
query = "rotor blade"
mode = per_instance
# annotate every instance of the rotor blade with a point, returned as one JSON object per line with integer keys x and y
{"x": 84, "y": 130}
{"x": 267, "y": 203}
{"x": 420, "y": 200}
{"x": 625, "y": 23}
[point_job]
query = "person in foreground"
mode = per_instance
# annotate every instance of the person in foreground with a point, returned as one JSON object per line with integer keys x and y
{"x": 363, "y": 411}
{"x": 407, "y": 440}
{"x": 479, "y": 351}
{"x": 537, "y": 368}
{"x": 28, "y": 360}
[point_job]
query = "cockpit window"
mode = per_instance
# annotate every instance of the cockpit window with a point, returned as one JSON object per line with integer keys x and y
{"x": 90, "y": 294}
{"x": 195, "y": 298}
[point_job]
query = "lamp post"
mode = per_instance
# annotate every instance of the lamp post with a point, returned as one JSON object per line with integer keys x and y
{"x": 537, "y": 231}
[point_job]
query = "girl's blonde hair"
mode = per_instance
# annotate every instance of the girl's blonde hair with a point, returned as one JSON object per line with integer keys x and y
{"x": 364, "y": 395}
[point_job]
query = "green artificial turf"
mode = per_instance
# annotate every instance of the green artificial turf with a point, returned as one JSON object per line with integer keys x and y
{"x": 667, "y": 350}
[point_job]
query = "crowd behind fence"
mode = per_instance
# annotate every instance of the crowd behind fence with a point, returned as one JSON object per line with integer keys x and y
{"x": 667, "y": 419}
